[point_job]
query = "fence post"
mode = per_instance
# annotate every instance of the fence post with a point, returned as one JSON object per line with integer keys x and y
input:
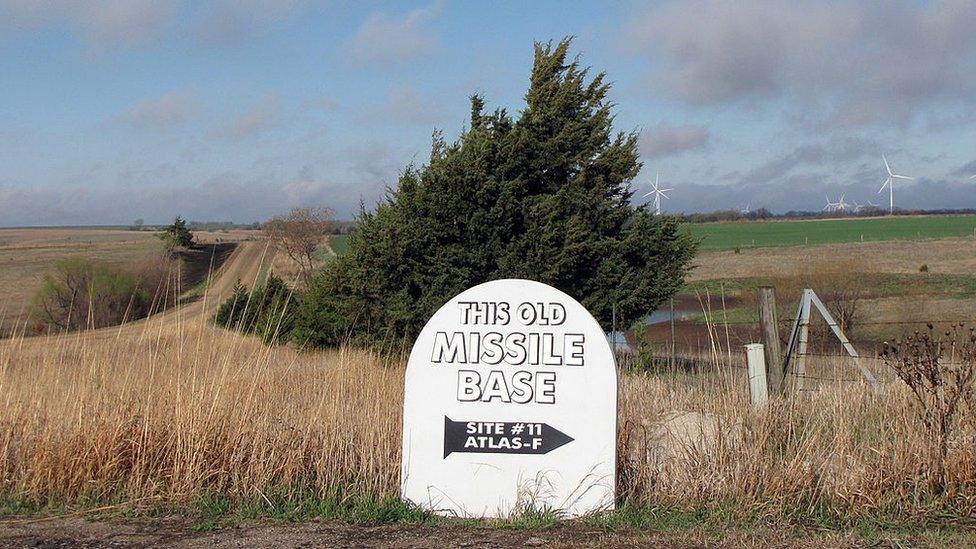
{"x": 770, "y": 338}
{"x": 672, "y": 362}
{"x": 758, "y": 389}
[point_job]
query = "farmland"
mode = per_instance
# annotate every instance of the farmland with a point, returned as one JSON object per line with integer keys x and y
{"x": 812, "y": 232}
{"x": 26, "y": 255}
{"x": 320, "y": 430}
{"x": 757, "y": 234}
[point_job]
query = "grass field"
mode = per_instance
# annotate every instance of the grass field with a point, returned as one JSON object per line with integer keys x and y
{"x": 193, "y": 414}
{"x": 761, "y": 234}
{"x": 26, "y": 254}
{"x": 749, "y": 234}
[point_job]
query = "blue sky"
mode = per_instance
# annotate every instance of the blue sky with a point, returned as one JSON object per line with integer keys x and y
{"x": 113, "y": 110}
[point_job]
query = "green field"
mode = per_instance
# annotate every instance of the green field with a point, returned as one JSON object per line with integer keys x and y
{"x": 761, "y": 234}
{"x": 749, "y": 234}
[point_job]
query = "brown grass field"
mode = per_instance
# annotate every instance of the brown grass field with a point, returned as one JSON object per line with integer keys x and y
{"x": 950, "y": 255}
{"x": 171, "y": 414}
{"x": 177, "y": 411}
{"x": 27, "y": 254}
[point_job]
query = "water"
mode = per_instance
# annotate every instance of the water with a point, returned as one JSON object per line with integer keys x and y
{"x": 662, "y": 316}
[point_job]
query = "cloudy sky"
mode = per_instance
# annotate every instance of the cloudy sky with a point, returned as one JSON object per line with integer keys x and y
{"x": 112, "y": 110}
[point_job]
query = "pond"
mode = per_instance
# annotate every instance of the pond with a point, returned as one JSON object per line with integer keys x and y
{"x": 662, "y": 316}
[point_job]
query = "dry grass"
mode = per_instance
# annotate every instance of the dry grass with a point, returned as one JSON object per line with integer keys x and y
{"x": 949, "y": 255}
{"x": 179, "y": 411}
{"x": 27, "y": 253}
{"x": 182, "y": 412}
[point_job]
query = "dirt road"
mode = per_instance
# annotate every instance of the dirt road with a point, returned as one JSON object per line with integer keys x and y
{"x": 246, "y": 263}
{"x": 173, "y": 532}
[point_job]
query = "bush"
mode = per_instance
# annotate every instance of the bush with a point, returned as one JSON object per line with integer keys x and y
{"x": 543, "y": 196}
{"x": 842, "y": 285}
{"x": 268, "y": 311}
{"x": 645, "y": 359}
{"x": 81, "y": 293}
{"x": 924, "y": 268}
{"x": 940, "y": 371}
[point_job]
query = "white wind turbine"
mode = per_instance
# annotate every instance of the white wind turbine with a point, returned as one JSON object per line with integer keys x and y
{"x": 841, "y": 206}
{"x": 889, "y": 182}
{"x": 831, "y": 206}
{"x": 658, "y": 195}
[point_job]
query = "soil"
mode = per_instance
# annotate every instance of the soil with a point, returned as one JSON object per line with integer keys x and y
{"x": 177, "y": 532}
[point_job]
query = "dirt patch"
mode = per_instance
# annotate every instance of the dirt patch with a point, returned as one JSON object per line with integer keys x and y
{"x": 176, "y": 532}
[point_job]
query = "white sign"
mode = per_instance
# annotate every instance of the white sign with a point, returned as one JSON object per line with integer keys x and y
{"x": 510, "y": 401}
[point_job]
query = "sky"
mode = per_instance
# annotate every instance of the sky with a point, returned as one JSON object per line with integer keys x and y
{"x": 237, "y": 110}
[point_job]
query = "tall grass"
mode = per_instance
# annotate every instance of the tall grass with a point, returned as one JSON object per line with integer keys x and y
{"x": 177, "y": 411}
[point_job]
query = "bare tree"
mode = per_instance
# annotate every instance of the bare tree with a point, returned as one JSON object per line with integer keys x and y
{"x": 300, "y": 233}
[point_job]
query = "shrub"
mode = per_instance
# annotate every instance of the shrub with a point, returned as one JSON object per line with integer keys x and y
{"x": 940, "y": 370}
{"x": 924, "y": 268}
{"x": 645, "y": 351}
{"x": 268, "y": 311}
{"x": 543, "y": 196}
{"x": 842, "y": 285}
{"x": 82, "y": 293}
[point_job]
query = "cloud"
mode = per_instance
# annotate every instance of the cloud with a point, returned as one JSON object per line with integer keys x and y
{"x": 105, "y": 25}
{"x": 225, "y": 196}
{"x": 861, "y": 63}
{"x": 108, "y": 25}
{"x": 966, "y": 170}
{"x": 385, "y": 39}
{"x": 233, "y": 21}
{"x": 324, "y": 103}
{"x": 159, "y": 114}
{"x": 667, "y": 140}
{"x": 405, "y": 104}
{"x": 806, "y": 192}
{"x": 256, "y": 119}
{"x": 833, "y": 153}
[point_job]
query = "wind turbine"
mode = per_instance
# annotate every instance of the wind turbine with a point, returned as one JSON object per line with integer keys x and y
{"x": 888, "y": 182}
{"x": 831, "y": 206}
{"x": 841, "y": 206}
{"x": 658, "y": 195}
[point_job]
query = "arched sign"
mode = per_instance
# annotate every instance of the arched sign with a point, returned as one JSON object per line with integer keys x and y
{"x": 510, "y": 401}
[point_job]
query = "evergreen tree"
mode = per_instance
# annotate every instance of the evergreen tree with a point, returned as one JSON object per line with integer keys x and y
{"x": 177, "y": 234}
{"x": 544, "y": 195}
{"x": 268, "y": 311}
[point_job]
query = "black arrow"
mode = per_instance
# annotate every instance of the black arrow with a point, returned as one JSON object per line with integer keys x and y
{"x": 501, "y": 437}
